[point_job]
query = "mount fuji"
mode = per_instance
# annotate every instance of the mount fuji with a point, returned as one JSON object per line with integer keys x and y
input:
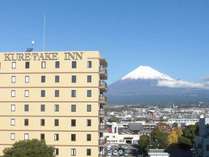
{"x": 145, "y": 86}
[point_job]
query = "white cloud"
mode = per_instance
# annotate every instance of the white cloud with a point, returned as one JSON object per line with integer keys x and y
{"x": 182, "y": 84}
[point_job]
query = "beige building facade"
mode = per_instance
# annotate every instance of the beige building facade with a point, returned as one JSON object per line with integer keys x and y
{"x": 53, "y": 96}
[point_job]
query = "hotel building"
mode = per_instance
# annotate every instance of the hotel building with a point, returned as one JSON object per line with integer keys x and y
{"x": 53, "y": 96}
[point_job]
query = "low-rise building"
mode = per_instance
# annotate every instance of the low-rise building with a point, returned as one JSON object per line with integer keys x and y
{"x": 157, "y": 153}
{"x": 120, "y": 137}
{"x": 183, "y": 121}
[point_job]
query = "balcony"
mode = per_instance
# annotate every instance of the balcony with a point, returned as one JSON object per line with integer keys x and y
{"x": 103, "y": 72}
{"x": 102, "y": 99}
{"x": 102, "y": 151}
{"x": 101, "y": 112}
{"x": 103, "y": 85}
{"x": 103, "y": 62}
{"x": 101, "y": 126}
{"x": 102, "y": 141}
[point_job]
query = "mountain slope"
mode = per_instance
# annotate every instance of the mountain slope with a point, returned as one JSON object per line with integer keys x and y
{"x": 146, "y": 72}
{"x": 146, "y": 85}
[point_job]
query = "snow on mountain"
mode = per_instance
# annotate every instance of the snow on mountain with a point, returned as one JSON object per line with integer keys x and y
{"x": 146, "y": 72}
{"x": 164, "y": 80}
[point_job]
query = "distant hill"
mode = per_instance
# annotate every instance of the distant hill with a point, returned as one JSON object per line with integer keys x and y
{"x": 145, "y": 85}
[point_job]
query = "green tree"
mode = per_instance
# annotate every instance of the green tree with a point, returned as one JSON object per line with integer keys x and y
{"x": 188, "y": 135}
{"x": 113, "y": 119}
{"x": 159, "y": 139}
{"x": 29, "y": 148}
{"x": 144, "y": 142}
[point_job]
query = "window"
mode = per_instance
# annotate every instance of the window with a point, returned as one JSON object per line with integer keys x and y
{"x": 88, "y": 108}
{"x": 100, "y": 134}
{"x": 73, "y": 137}
{"x": 43, "y": 65}
{"x": 26, "y": 107}
{"x": 88, "y": 137}
{"x": 42, "y": 136}
{"x": 89, "y": 93}
{"x": 74, "y": 64}
{"x": 57, "y": 64}
{"x": 27, "y": 65}
{"x": 27, "y": 79}
{"x": 43, "y": 93}
{"x": 26, "y": 93}
{"x": 13, "y": 65}
{"x": 73, "y": 79}
{"x": 26, "y": 136}
{"x": 42, "y": 122}
{"x": 73, "y": 122}
{"x": 56, "y": 137}
{"x": 56, "y": 108}
{"x": 73, "y": 108}
{"x": 100, "y": 120}
{"x": 89, "y": 64}
{"x": 73, "y": 93}
{"x": 43, "y": 79}
{"x": 12, "y": 136}
{"x": 57, "y": 78}
{"x": 12, "y": 122}
{"x": 88, "y": 152}
{"x": 73, "y": 152}
{"x": 26, "y": 122}
{"x": 13, "y": 93}
{"x": 56, "y": 122}
{"x": 42, "y": 107}
{"x": 88, "y": 122}
{"x": 56, "y": 151}
{"x": 89, "y": 78}
{"x": 56, "y": 93}
{"x": 13, "y": 79}
{"x": 13, "y": 107}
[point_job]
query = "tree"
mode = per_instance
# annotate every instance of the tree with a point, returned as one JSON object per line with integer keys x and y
{"x": 144, "y": 142}
{"x": 113, "y": 119}
{"x": 188, "y": 135}
{"x": 29, "y": 148}
{"x": 174, "y": 135}
{"x": 159, "y": 139}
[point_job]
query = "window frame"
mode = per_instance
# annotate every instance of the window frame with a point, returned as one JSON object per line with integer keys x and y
{"x": 14, "y": 66}
{"x": 26, "y": 109}
{"x": 43, "y": 64}
{"x": 57, "y": 64}
{"x": 74, "y": 64}
{"x": 27, "y": 79}
{"x": 13, "y": 79}
{"x": 13, "y": 93}
{"x": 27, "y": 65}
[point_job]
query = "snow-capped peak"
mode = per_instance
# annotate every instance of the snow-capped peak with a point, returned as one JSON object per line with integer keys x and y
{"x": 146, "y": 72}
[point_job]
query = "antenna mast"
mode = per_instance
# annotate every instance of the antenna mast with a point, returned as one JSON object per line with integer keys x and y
{"x": 44, "y": 33}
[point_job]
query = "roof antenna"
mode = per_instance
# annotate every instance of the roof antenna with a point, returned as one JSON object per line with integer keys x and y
{"x": 33, "y": 44}
{"x": 30, "y": 49}
{"x": 44, "y": 33}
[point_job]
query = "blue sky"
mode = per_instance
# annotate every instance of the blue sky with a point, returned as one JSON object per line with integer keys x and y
{"x": 172, "y": 36}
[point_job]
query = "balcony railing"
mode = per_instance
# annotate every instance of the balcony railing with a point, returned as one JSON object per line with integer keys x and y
{"x": 101, "y": 112}
{"x": 101, "y": 126}
{"x": 103, "y": 85}
{"x": 103, "y": 62}
{"x": 102, "y": 141}
{"x": 103, "y": 72}
{"x": 103, "y": 99}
